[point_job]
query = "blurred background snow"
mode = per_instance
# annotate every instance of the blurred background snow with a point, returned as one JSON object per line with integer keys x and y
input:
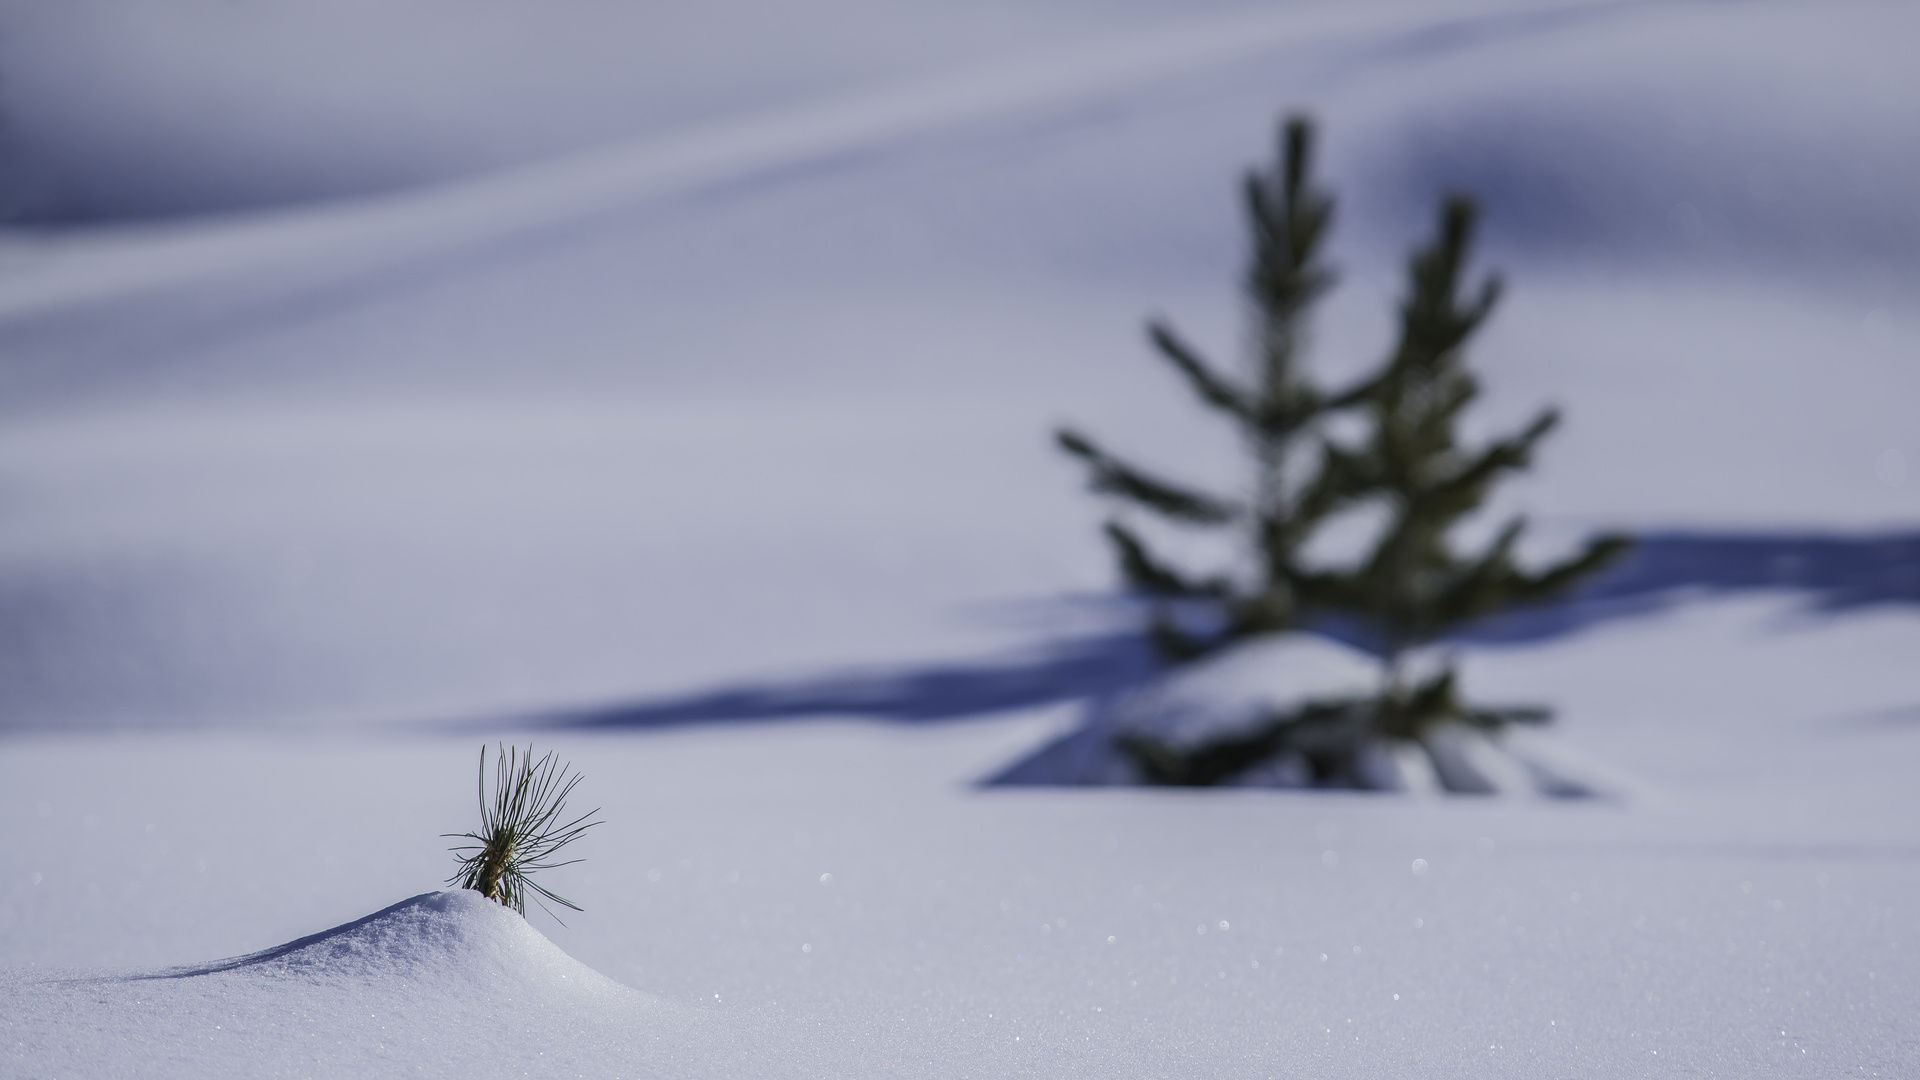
{"x": 426, "y": 360}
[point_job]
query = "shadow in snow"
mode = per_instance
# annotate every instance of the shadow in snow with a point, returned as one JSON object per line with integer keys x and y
{"x": 952, "y": 691}
{"x": 265, "y": 955}
{"x": 1663, "y": 569}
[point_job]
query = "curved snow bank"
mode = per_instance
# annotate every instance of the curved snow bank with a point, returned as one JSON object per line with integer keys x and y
{"x": 457, "y": 933}
{"x": 315, "y": 244}
{"x": 1245, "y": 686}
{"x": 1750, "y": 143}
{"x": 446, "y": 983}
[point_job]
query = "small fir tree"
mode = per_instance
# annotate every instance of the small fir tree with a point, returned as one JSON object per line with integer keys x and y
{"x": 1274, "y": 409}
{"x": 1412, "y": 588}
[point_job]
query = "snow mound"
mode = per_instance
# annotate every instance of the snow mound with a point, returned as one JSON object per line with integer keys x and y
{"x": 460, "y": 934}
{"x": 448, "y": 983}
{"x": 1244, "y": 687}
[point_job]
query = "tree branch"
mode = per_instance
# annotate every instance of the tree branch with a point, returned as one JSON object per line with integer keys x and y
{"x": 1211, "y": 388}
{"x": 1115, "y": 477}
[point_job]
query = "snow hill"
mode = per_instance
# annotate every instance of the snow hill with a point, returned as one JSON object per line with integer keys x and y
{"x": 443, "y": 983}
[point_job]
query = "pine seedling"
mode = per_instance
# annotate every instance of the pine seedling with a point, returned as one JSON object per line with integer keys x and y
{"x": 521, "y": 829}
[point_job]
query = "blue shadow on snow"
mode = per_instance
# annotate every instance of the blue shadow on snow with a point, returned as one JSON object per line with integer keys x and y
{"x": 1835, "y": 572}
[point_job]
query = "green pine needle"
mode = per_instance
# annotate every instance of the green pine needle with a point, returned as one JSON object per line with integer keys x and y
{"x": 520, "y": 830}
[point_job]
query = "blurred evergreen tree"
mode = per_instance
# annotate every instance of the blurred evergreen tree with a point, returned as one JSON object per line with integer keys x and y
{"x": 1274, "y": 409}
{"x": 1412, "y": 588}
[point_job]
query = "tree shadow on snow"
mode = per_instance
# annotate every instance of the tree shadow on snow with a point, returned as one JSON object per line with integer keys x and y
{"x": 1663, "y": 569}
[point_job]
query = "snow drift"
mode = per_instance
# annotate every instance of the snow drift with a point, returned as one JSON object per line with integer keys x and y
{"x": 446, "y": 982}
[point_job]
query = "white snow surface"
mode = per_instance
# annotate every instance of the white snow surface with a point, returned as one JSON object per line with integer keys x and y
{"x": 837, "y": 899}
{"x": 446, "y": 982}
{"x": 374, "y": 374}
{"x": 767, "y": 388}
{"x": 1246, "y": 685}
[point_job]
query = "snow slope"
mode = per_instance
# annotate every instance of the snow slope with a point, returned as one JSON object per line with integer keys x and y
{"x": 733, "y": 370}
{"x": 445, "y": 982}
{"x": 838, "y": 899}
{"x": 769, "y": 393}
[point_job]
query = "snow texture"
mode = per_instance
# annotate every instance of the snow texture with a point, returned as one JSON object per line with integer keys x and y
{"x": 838, "y": 899}
{"x": 448, "y": 982}
{"x": 762, "y": 391}
{"x": 1246, "y": 685}
{"x": 378, "y": 377}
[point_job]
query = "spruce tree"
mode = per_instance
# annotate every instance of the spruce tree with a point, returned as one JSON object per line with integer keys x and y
{"x": 1414, "y": 588}
{"x": 1274, "y": 409}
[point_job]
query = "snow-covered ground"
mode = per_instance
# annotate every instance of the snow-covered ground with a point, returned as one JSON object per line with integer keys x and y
{"x": 375, "y": 378}
{"x": 835, "y": 899}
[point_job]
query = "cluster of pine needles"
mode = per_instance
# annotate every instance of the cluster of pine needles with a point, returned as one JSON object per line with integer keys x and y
{"x": 521, "y": 829}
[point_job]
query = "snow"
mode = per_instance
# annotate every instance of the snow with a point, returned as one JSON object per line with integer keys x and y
{"x": 1245, "y": 686}
{"x": 448, "y": 979}
{"x": 1758, "y": 881}
{"x": 603, "y": 379}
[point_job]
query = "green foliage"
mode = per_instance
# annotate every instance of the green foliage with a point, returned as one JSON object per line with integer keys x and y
{"x": 1273, "y": 409}
{"x": 520, "y": 828}
{"x": 1321, "y": 732}
{"x": 1412, "y": 588}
